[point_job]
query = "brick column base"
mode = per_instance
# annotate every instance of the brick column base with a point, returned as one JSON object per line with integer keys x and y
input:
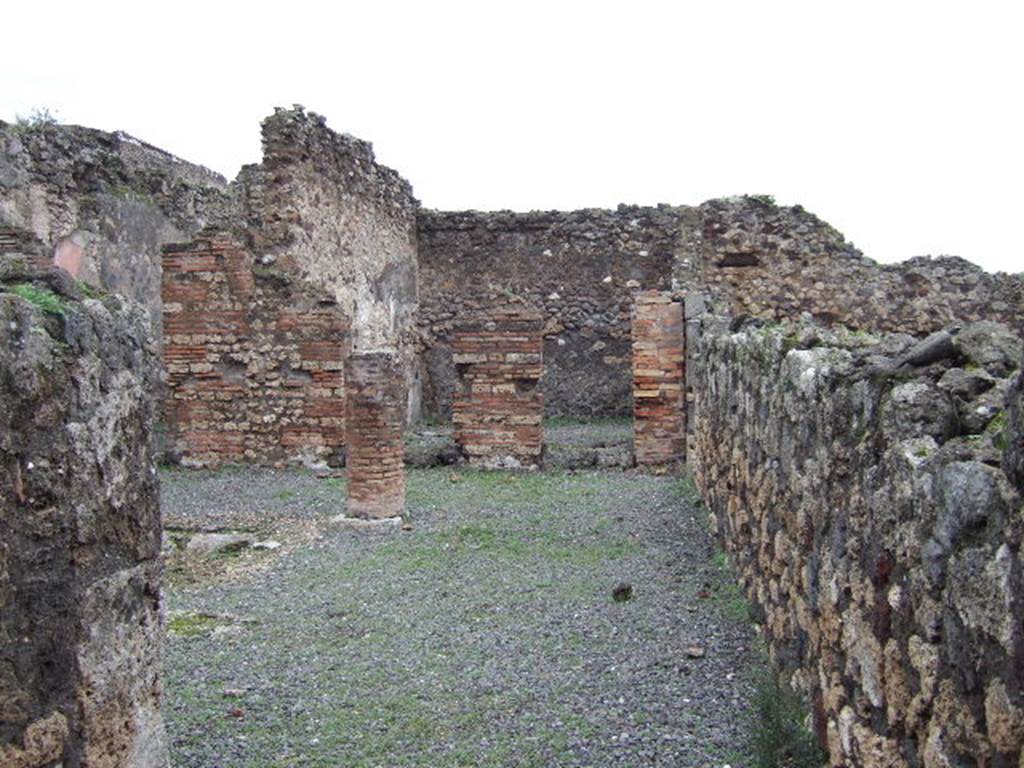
{"x": 374, "y": 415}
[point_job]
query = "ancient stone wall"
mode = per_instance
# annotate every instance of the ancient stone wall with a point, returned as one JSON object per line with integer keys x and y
{"x": 254, "y": 359}
{"x": 856, "y": 482}
{"x": 102, "y": 204}
{"x": 746, "y": 254}
{"x": 659, "y": 391}
{"x": 579, "y": 268}
{"x": 755, "y": 258}
{"x": 321, "y": 209}
{"x": 80, "y": 627}
{"x": 375, "y": 417}
{"x": 499, "y": 401}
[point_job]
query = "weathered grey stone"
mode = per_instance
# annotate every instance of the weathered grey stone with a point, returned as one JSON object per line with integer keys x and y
{"x": 977, "y": 413}
{"x": 101, "y": 204}
{"x": 916, "y": 408}
{"x": 965, "y": 384}
{"x": 376, "y": 525}
{"x": 969, "y": 495}
{"x": 991, "y": 346}
{"x": 880, "y": 542}
{"x": 936, "y": 346}
{"x": 1012, "y": 432}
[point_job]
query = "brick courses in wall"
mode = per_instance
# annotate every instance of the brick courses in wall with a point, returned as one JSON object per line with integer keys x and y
{"x": 375, "y": 416}
{"x": 659, "y": 406}
{"x": 254, "y": 361}
{"x": 499, "y": 403}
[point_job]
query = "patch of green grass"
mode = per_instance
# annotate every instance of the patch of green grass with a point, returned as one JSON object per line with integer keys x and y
{"x": 554, "y": 422}
{"x": 524, "y": 545}
{"x": 733, "y": 602}
{"x": 473, "y": 489}
{"x": 43, "y": 298}
{"x": 686, "y": 489}
{"x": 194, "y": 624}
{"x": 781, "y": 739}
{"x": 728, "y": 594}
{"x": 336, "y": 485}
{"x": 89, "y": 291}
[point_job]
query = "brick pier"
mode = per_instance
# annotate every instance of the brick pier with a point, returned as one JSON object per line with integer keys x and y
{"x": 375, "y": 415}
{"x": 498, "y": 404}
{"x": 659, "y": 406}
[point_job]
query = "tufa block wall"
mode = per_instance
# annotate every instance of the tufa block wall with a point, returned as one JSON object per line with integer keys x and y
{"x": 499, "y": 403}
{"x": 80, "y": 656}
{"x": 254, "y": 361}
{"x": 860, "y": 485}
{"x": 375, "y": 414}
{"x": 659, "y": 396}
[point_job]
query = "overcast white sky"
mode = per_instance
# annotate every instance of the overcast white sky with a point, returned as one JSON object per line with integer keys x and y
{"x": 901, "y": 123}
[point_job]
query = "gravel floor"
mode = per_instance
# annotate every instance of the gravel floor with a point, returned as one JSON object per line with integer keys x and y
{"x": 485, "y": 636}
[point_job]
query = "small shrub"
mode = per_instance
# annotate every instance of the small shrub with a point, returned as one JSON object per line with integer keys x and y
{"x": 37, "y": 118}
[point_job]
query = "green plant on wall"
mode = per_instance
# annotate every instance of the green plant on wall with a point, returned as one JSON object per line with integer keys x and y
{"x": 43, "y": 298}
{"x": 37, "y": 118}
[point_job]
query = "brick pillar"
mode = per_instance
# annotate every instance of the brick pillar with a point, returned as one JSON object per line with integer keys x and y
{"x": 374, "y": 416}
{"x": 659, "y": 405}
{"x": 498, "y": 404}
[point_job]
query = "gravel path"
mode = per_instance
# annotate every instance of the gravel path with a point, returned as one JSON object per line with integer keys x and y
{"x": 485, "y": 636}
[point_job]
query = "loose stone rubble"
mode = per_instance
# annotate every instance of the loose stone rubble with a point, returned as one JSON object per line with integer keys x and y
{"x": 868, "y": 489}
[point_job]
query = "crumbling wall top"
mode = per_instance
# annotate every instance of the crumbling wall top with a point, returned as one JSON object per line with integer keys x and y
{"x": 294, "y": 136}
